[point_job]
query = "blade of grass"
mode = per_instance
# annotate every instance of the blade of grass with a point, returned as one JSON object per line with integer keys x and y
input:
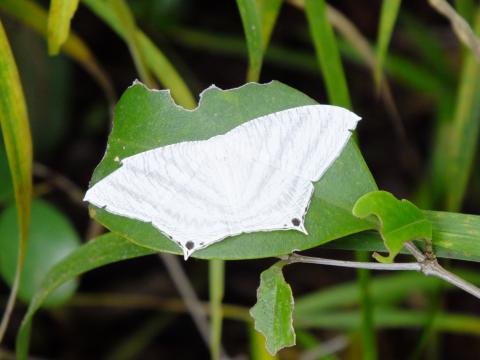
{"x": 367, "y": 334}
{"x": 156, "y": 61}
{"x": 327, "y": 53}
{"x": 35, "y": 17}
{"x": 463, "y": 135}
{"x": 258, "y": 20}
{"x": 127, "y": 21}
{"x": 268, "y": 10}
{"x": 59, "y": 18}
{"x": 330, "y": 63}
{"x": 18, "y": 146}
{"x": 388, "y": 17}
{"x": 253, "y": 32}
{"x": 387, "y": 318}
{"x": 216, "y": 271}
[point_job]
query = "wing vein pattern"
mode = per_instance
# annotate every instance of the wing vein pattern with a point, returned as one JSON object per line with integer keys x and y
{"x": 256, "y": 177}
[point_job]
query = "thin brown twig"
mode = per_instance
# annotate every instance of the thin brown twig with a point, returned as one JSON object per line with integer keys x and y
{"x": 425, "y": 264}
{"x": 61, "y": 182}
{"x": 193, "y": 304}
{"x": 459, "y": 25}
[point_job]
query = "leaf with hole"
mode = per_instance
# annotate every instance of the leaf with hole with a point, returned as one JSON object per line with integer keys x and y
{"x": 146, "y": 119}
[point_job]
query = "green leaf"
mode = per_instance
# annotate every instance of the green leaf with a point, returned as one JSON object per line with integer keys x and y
{"x": 258, "y": 19}
{"x": 388, "y": 17}
{"x": 269, "y": 10}
{"x": 18, "y": 146}
{"x": 59, "y": 18}
{"x": 157, "y": 62}
{"x": 252, "y": 26}
{"x": 327, "y": 53}
{"x": 6, "y": 186}
{"x": 464, "y": 132}
{"x": 51, "y": 238}
{"x": 146, "y": 119}
{"x": 273, "y": 312}
{"x": 455, "y": 236}
{"x": 399, "y": 221}
{"x": 101, "y": 251}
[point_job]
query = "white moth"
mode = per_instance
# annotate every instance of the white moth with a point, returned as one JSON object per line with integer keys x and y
{"x": 256, "y": 177}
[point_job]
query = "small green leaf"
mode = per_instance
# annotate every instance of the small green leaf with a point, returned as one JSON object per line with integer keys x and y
{"x": 106, "y": 249}
{"x": 146, "y": 119}
{"x": 59, "y": 18}
{"x": 327, "y": 53}
{"x": 388, "y": 17}
{"x": 273, "y": 312}
{"x": 399, "y": 221}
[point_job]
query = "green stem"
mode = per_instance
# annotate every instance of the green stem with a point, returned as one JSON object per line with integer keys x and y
{"x": 216, "y": 286}
{"x": 367, "y": 327}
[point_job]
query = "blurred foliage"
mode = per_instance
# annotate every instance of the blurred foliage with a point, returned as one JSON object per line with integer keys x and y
{"x": 420, "y": 140}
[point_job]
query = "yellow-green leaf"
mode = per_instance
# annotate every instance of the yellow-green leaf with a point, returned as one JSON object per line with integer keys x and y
{"x": 59, "y": 18}
{"x": 18, "y": 145}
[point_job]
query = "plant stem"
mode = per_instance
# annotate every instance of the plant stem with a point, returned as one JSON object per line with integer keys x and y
{"x": 425, "y": 265}
{"x": 216, "y": 271}
{"x": 188, "y": 294}
{"x": 296, "y": 258}
{"x": 367, "y": 328}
